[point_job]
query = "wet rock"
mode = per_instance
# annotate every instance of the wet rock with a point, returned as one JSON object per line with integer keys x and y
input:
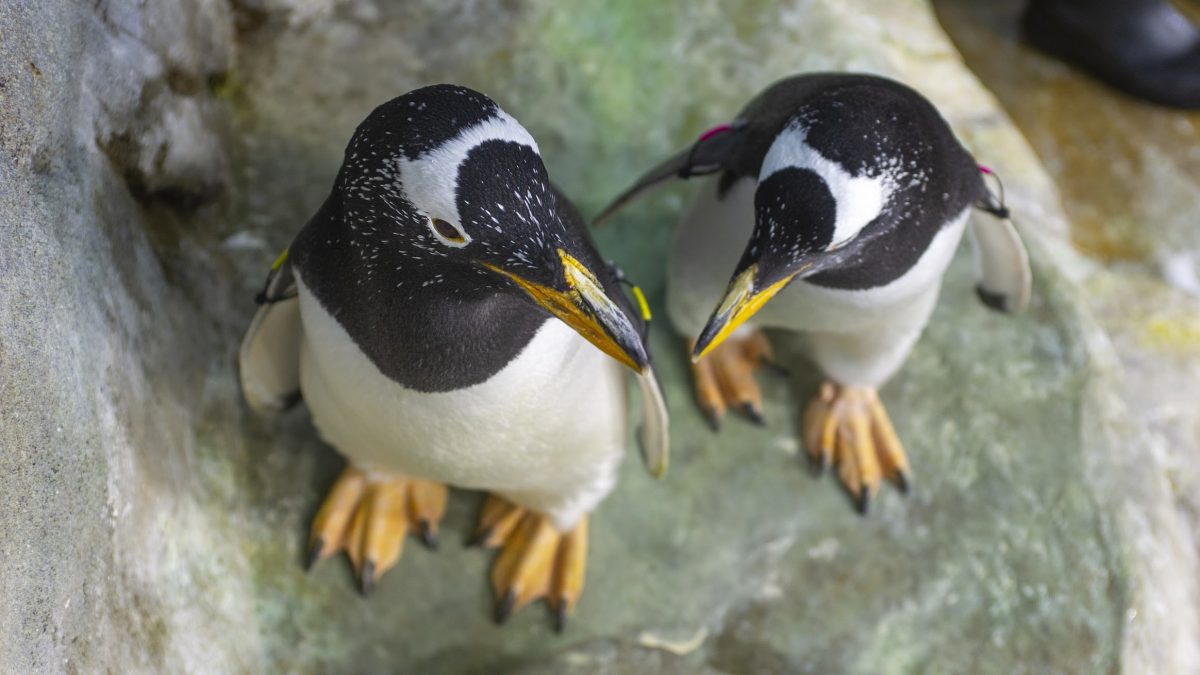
{"x": 108, "y": 557}
{"x": 152, "y": 524}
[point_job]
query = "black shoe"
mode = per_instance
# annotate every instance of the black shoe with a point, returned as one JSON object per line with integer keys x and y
{"x": 1146, "y": 49}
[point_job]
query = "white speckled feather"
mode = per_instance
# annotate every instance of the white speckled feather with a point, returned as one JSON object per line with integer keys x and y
{"x": 859, "y": 198}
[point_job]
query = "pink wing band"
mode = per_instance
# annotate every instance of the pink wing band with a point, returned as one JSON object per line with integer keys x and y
{"x": 719, "y": 129}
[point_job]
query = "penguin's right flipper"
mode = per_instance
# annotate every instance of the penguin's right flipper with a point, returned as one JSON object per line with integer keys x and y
{"x": 1003, "y": 278}
{"x": 655, "y": 434}
{"x": 269, "y": 358}
{"x": 707, "y": 155}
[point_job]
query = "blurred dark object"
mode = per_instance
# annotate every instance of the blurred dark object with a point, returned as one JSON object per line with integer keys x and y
{"x": 1145, "y": 48}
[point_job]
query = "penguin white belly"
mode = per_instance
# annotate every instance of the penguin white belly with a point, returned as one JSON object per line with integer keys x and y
{"x": 546, "y": 432}
{"x": 862, "y": 337}
{"x": 857, "y": 337}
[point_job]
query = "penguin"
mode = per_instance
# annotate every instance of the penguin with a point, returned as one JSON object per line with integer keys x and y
{"x": 830, "y": 208}
{"x": 448, "y": 320}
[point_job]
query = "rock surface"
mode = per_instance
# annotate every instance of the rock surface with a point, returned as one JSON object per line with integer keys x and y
{"x": 155, "y": 158}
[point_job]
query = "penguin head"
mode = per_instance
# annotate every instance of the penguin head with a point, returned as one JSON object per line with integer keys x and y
{"x": 443, "y": 182}
{"x": 812, "y": 214}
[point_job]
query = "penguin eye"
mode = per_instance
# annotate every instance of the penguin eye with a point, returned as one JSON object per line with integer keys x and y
{"x": 447, "y": 231}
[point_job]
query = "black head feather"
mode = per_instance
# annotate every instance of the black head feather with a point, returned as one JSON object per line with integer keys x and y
{"x": 425, "y": 307}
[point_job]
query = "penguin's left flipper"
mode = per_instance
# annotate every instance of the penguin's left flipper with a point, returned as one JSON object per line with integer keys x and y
{"x": 269, "y": 357}
{"x": 536, "y": 559}
{"x": 1003, "y": 278}
{"x": 654, "y": 436}
{"x": 707, "y": 155}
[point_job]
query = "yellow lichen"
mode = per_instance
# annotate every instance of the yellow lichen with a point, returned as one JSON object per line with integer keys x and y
{"x": 1173, "y": 332}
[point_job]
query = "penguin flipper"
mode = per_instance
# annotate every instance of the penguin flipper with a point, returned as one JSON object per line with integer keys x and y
{"x": 1003, "y": 277}
{"x": 707, "y": 155}
{"x": 654, "y": 435}
{"x": 269, "y": 358}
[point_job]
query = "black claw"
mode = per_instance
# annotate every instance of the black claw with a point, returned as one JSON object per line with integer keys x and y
{"x": 753, "y": 413}
{"x": 713, "y": 418}
{"x": 314, "y": 553}
{"x": 504, "y": 608}
{"x": 774, "y": 367}
{"x": 560, "y": 616}
{"x": 367, "y": 580}
{"x": 428, "y": 536}
{"x": 902, "y": 481}
{"x": 816, "y": 465}
{"x": 479, "y": 537}
{"x": 823, "y": 465}
{"x": 864, "y": 500}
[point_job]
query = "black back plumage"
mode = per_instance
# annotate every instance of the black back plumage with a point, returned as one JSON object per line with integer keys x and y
{"x": 425, "y": 318}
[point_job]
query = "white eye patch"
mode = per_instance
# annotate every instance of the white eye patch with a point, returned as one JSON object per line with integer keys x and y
{"x": 430, "y": 181}
{"x": 859, "y": 199}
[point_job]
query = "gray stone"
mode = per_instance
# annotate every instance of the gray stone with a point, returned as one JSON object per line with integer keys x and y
{"x": 155, "y": 158}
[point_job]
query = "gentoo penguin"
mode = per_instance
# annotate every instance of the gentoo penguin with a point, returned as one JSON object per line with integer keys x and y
{"x": 839, "y": 198}
{"x": 448, "y": 321}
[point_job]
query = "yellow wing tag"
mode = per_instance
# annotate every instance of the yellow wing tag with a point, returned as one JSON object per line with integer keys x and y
{"x": 279, "y": 261}
{"x": 641, "y": 301}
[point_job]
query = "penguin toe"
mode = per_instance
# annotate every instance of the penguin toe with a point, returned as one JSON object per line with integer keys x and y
{"x": 887, "y": 444}
{"x": 497, "y": 522}
{"x": 332, "y": 523}
{"x": 708, "y": 394}
{"x": 819, "y": 428}
{"x": 379, "y": 531}
{"x": 426, "y": 504}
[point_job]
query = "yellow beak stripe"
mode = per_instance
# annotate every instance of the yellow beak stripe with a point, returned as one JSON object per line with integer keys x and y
{"x": 568, "y": 306}
{"x": 741, "y": 303}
